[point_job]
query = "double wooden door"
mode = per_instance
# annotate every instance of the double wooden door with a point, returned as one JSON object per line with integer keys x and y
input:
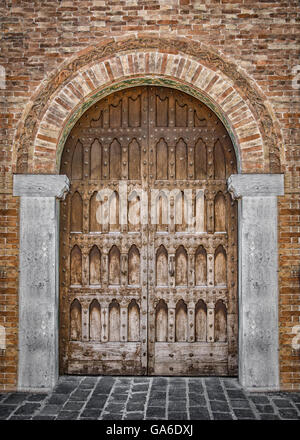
{"x": 148, "y": 239}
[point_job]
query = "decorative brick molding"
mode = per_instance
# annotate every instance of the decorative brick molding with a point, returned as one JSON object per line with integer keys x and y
{"x": 116, "y": 64}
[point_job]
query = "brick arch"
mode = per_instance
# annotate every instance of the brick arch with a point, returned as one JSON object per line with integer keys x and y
{"x": 179, "y": 63}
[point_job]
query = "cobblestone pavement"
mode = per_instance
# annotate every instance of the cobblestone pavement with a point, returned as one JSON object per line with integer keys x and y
{"x": 145, "y": 398}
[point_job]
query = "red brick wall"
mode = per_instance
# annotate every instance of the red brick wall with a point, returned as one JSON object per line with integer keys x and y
{"x": 259, "y": 36}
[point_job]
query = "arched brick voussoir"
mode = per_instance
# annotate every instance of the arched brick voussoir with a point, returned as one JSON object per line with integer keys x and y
{"x": 82, "y": 90}
{"x": 181, "y": 60}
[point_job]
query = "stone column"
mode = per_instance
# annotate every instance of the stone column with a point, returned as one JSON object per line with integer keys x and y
{"x": 258, "y": 278}
{"x": 38, "y": 278}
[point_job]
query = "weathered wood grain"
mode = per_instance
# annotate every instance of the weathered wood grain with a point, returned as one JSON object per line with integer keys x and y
{"x": 137, "y": 297}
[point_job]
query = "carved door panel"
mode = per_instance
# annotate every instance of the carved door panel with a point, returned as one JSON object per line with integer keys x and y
{"x": 148, "y": 245}
{"x": 193, "y": 248}
{"x": 103, "y": 299}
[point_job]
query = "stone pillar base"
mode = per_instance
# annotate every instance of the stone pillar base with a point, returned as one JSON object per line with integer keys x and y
{"x": 38, "y": 279}
{"x": 258, "y": 279}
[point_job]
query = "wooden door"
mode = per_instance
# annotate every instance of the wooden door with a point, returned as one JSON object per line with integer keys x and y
{"x": 193, "y": 248}
{"x": 148, "y": 253}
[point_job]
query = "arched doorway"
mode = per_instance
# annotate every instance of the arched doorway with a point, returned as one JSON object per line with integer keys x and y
{"x": 148, "y": 244}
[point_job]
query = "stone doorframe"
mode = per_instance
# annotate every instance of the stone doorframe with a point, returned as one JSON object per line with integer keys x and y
{"x": 39, "y": 287}
{"x": 96, "y": 72}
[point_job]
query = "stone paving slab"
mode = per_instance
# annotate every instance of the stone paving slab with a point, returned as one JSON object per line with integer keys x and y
{"x": 145, "y": 398}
